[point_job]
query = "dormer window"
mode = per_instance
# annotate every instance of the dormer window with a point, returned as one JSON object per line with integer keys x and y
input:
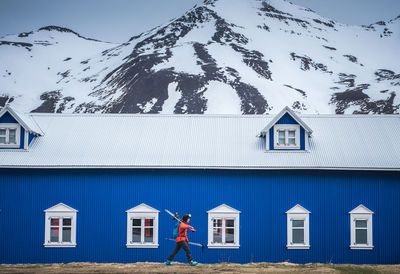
{"x": 286, "y": 131}
{"x": 10, "y": 135}
{"x": 16, "y": 130}
{"x": 287, "y": 136}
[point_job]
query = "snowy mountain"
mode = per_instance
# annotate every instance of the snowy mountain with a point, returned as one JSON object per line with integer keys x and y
{"x": 223, "y": 57}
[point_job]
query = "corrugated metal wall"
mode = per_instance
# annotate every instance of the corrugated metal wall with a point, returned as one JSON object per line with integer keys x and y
{"x": 263, "y": 197}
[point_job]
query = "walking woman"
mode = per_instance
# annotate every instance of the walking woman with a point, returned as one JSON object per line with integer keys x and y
{"x": 182, "y": 241}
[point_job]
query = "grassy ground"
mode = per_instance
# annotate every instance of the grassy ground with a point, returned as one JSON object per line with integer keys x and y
{"x": 201, "y": 268}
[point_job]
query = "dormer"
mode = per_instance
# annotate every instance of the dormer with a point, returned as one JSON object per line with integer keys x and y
{"x": 17, "y": 131}
{"x": 286, "y": 131}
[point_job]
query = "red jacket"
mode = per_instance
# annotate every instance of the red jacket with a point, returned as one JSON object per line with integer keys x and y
{"x": 182, "y": 232}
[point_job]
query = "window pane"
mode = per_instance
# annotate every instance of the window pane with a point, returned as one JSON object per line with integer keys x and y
{"x": 54, "y": 232}
{"x": 148, "y": 235}
{"x": 66, "y": 237}
{"x": 361, "y": 223}
{"x": 292, "y": 141}
{"x": 136, "y": 222}
{"x": 230, "y": 223}
{"x": 361, "y": 236}
{"x": 11, "y": 136}
{"x": 136, "y": 235}
{"x": 230, "y": 236}
{"x": 148, "y": 222}
{"x": 67, "y": 222}
{"x": 217, "y": 235}
{"x": 298, "y": 236}
{"x": 298, "y": 223}
{"x": 2, "y": 140}
{"x": 292, "y": 133}
{"x": 217, "y": 223}
{"x": 3, "y": 132}
{"x": 55, "y": 221}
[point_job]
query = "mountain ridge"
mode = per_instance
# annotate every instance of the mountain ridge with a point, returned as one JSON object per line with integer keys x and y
{"x": 211, "y": 60}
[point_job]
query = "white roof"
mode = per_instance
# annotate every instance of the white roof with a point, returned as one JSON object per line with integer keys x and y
{"x": 201, "y": 141}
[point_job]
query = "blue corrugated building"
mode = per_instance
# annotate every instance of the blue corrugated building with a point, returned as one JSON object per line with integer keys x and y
{"x": 288, "y": 187}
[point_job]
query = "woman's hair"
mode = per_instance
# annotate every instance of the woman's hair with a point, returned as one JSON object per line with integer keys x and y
{"x": 185, "y": 217}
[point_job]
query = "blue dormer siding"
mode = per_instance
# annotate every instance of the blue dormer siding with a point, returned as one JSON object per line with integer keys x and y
{"x": 287, "y": 120}
{"x": 7, "y": 118}
{"x": 21, "y": 140}
{"x": 31, "y": 136}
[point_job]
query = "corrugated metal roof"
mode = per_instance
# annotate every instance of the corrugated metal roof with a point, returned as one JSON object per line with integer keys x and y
{"x": 201, "y": 141}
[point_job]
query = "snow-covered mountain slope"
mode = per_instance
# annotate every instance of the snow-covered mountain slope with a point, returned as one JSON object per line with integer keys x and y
{"x": 225, "y": 56}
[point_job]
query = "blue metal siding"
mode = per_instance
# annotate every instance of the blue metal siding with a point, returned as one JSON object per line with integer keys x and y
{"x": 263, "y": 197}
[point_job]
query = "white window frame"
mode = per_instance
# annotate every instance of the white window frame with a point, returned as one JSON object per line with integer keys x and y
{"x": 298, "y": 213}
{"x": 286, "y": 128}
{"x": 223, "y": 212}
{"x": 361, "y": 213}
{"x": 142, "y": 212}
{"x": 7, "y": 127}
{"x": 60, "y": 211}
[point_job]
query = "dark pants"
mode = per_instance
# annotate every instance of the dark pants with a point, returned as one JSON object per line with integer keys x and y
{"x": 179, "y": 245}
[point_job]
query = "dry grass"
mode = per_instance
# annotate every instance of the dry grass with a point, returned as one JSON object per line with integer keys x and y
{"x": 201, "y": 268}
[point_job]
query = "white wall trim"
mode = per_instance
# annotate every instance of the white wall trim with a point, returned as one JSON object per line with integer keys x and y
{"x": 60, "y": 215}
{"x": 298, "y": 213}
{"x": 361, "y": 213}
{"x": 223, "y": 212}
{"x": 141, "y": 212}
{"x": 286, "y": 128}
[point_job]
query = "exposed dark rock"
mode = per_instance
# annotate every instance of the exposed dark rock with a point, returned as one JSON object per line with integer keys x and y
{"x": 50, "y": 98}
{"x": 330, "y": 48}
{"x": 67, "y": 59}
{"x": 61, "y": 29}
{"x": 264, "y": 27}
{"x": 381, "y": 23}
{"x": 302, "y": 92}
{"x": 307, "y": 62}
{"x": 330, "y": 24}
{"x": 299, "y": 106}
{"x": 5, "y": 99}
{"x": 191, "y": 102}
{"x": 25, "y": 34}
{"x": 224, "y": 33}
{"x": 379, "y": 106}
{"x": 387, "y": 32}
{"x": 17, "y": 44}
{"x": 64, "y": 75}
{"x": 385, "y": 74}
{"x": 351, "y": 58}
{"x": 254, "y": 59}
{"x": 357, "y": 97}
{"x": 88, "y": 108}
{"x": 268, "y": 8}
{"x": 64, "y": 103}
{"x": 346, "y": 79}
{"x": 85, "y": 61}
